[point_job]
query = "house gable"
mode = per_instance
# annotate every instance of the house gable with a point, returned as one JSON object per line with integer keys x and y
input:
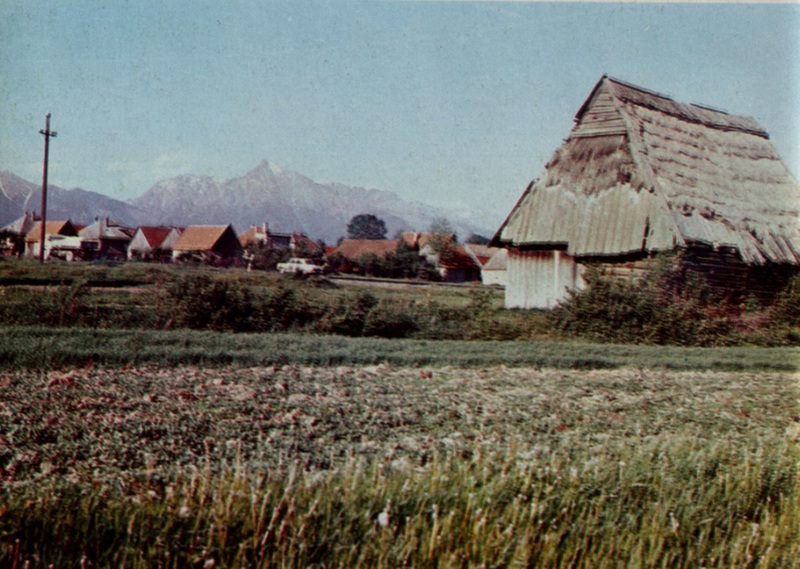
{"x": 219, "y": 240}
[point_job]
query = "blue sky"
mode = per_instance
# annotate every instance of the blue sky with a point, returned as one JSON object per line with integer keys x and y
{"x": 454, "y": 103}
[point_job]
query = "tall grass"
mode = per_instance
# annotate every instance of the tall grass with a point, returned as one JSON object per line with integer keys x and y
{"x": 23, "y": 347}
{"x": 671, "y": 502}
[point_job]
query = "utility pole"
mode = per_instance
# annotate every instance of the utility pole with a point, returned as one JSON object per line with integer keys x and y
{"x": 47, "y": 135}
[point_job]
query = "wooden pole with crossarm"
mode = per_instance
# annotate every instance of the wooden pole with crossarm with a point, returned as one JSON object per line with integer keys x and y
{"x": 48, "y": 134}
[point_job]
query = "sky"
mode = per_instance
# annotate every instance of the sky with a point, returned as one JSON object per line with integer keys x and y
{"x": 450, "y": 103}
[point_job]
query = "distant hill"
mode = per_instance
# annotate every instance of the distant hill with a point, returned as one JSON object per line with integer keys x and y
{"x": 18, "y": 196}
{"x": 286, "y": 200}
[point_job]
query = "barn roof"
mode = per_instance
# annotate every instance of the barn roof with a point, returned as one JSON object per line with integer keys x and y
{"x": 498, "y": 261}
{"x": 457, "y": 257}
{"x": 641, "y": 172}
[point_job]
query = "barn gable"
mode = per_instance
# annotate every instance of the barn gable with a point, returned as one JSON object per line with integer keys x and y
{"x": 640, "y": 174}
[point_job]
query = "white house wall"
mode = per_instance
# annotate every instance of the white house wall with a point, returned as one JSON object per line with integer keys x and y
{"x": 138, "y": 244}
{"x": 540, "y": 279}
{"x": 494, "y": 277}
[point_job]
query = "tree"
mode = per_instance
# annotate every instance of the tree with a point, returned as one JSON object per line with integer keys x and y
{"x": 443, "y": 237}
{"x": 366, "y": 226}
{"x": 478, "y": 239}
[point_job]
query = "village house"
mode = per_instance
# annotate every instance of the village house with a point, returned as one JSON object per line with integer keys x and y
{"x": 153, "y": 243}
{"x": 494, "y": 272}
{"x": 105, "y": 239}
{"x": 214, "y": 244}
{"x": 350, "y": 254}
{"x": 262, "y": 236}
{"x": 12, "y": 236}
{"x": 297, "y": 243}
{"x": 456, "y": 265}
{"x": 61, "y": 239}
{"x": 482, "y": 255}
{"x": 641, "y": 174}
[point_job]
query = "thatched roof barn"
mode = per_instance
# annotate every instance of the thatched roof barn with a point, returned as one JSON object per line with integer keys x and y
{"x": 640, "y": 174}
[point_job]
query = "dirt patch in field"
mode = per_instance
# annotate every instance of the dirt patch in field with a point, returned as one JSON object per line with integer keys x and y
{"x": 97, "y": 424}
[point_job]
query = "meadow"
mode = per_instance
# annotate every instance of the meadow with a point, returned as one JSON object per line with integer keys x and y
{"x": 387, "y": 466}
{"x": 176, "y": 447}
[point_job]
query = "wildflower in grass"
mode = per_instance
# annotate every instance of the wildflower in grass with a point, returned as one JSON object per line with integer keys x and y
{"x": 675, "y": 523}
{"x": 383, "y": 517}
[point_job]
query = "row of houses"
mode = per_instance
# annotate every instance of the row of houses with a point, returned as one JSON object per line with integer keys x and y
{"x": 219, "y": 244}
{"x": 454, "y": 262}
{"x": 107, "y": 240}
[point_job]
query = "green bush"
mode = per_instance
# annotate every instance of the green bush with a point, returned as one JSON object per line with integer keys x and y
{"x": 786, "y": 310}
{"x": 663, "y": 307}
{"x": 283, "y": 310}
{"x": 199, "y": 302}
{"x": 390, "y": 320}
{"x": 346, "y": 315}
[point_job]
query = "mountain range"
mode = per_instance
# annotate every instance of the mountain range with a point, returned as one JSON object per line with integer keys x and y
{"x": 286, "y": 200}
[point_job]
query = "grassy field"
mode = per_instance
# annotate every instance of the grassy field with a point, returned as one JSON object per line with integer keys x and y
{"x": 385, "y": 466}
{"x": 47, "y": 348}
{"x": 122, "y": 445}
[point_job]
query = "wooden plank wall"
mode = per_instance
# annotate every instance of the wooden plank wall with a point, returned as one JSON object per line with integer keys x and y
{"x": 540, "y": 279}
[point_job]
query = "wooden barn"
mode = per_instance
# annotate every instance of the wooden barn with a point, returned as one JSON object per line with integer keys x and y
{"x": 642, "y": 174}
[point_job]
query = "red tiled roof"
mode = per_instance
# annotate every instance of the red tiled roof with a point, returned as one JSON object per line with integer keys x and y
{"x": 481, "y": 253}
{"x": 356, "y": 248}
{"x": 154, "y": 235}
{"x": 457, "y": 258}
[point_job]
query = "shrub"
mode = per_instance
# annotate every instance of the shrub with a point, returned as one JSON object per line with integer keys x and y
{"x": 200, "y": 302}
{"x": 346, "y": 315}
{"x": 663, "y": 307}
{"x": 66, "y": 305}
{"x": 786, "y": 310}
{"x": 283, "y": 310}
{"x": 390, "y": 320}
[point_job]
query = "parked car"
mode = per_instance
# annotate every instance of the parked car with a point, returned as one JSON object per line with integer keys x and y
{"x": 300, "y": 266}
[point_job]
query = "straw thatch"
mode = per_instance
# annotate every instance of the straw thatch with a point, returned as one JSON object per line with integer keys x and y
{"x": 642, "y": 173}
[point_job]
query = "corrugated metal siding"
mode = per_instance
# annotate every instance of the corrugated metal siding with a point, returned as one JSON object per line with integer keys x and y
{"x": 617, "y": 221}
{"x": 540, "y": 279}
